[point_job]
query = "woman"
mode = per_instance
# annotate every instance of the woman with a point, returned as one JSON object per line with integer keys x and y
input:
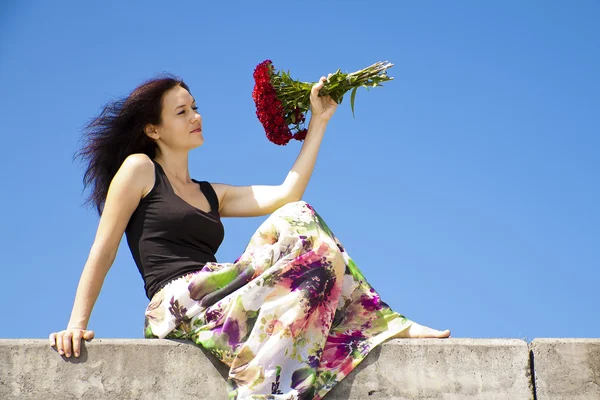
{"x": 291, "y": 317}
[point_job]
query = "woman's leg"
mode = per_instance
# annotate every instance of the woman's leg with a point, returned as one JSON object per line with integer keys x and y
{"x": 293, "y": 315}
{"x": 361, "y": 322}
{"x": 413, "y": 330}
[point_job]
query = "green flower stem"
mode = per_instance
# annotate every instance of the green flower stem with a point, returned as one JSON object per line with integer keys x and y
{"x": 295, "y": 94}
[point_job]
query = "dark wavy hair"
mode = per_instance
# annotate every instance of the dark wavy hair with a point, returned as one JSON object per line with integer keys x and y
{"x": 118, "y": 132}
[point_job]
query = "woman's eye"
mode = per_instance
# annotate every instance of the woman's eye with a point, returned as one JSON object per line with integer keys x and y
{"x": 195, "y": 108}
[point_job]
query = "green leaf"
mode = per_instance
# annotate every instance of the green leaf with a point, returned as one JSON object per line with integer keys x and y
{"x": 352, "y": 96}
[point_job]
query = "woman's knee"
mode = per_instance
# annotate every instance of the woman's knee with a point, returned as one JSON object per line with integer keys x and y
{"x": 296, "y": 219}
{"x": 295, "y": 208}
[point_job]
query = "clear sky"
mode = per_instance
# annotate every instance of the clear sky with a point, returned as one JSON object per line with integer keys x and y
{"x": 466, "y": 189}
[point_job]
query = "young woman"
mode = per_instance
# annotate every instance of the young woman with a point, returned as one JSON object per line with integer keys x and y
{"x": 291, "y": 317}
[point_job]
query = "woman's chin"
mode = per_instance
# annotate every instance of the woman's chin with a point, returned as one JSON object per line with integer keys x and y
{"x": 198, "y": 142}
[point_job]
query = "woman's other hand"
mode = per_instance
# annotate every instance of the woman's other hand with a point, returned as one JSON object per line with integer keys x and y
{"x": 68, "y": 342}
{"x": 321, "y": 107}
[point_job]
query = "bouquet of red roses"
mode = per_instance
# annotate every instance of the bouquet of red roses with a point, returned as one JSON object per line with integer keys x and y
{"x": 282, "y": 103}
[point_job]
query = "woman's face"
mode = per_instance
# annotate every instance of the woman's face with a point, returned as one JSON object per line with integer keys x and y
{"x": 181, "y": 126}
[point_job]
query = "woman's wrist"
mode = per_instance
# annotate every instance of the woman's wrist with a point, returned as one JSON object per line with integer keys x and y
{"x": 318, "y": 121}
{"x": 77, "y": 325}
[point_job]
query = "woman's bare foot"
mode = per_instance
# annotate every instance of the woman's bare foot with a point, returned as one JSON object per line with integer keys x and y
{"x": 417, "y": 331}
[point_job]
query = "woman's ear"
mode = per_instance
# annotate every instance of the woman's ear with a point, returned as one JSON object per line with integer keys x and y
{"x": 151, "y": 131}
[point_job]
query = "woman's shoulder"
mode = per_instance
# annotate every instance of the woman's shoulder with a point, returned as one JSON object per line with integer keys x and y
{"x": 139, "y": 160}
{"x": 140, "y": 169}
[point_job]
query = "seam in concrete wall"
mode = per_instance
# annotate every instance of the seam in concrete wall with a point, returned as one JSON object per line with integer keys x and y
{"x": 532, "y": 371}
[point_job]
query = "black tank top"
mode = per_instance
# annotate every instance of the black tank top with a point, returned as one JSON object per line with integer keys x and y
{"x": 168, "y": 237}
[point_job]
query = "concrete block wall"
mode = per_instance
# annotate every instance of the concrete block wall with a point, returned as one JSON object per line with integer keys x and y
{"x": 415, "y": 369}
{"x": 566, "y": 368}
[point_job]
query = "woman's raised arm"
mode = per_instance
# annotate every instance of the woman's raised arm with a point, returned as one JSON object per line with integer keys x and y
{"x": 257, "y": 200}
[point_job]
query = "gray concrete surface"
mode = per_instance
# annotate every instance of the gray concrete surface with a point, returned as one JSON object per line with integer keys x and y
{"x": 108, "y": 369}
{"x": 162, "y": 369}
{"x": 566, "y": 369}
{"x": 428, "y": 369}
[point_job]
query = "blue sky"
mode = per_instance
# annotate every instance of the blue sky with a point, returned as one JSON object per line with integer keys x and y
{"x": 466, "y": 189}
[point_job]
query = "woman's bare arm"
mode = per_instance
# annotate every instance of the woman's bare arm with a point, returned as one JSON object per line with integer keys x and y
{"x": 257, "y": 200}
{"x": 132, "y": 181}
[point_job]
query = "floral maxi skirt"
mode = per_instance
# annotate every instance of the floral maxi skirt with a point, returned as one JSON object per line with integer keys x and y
{"x": 291, "y": 317}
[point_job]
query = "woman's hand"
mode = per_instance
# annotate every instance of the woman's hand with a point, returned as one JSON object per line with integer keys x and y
{"x": 321, "y": 107}
{"x": 70, "y": 339}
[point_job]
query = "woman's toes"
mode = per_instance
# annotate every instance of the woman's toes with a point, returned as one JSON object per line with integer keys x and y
{"x": 434, "y": 333}
{"x": 444, "y": 334}
{"x": 417, "y": 331}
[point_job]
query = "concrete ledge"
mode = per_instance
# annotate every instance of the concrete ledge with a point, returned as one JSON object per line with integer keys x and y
{"x": 485, "y": 369}
{"x": 566, "y": 368}
{"x": 165, "y": 369}
{"x": 108, "y": 369}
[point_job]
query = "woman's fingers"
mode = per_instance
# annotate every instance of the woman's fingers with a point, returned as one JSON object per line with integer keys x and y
{"x": 59, "y": 343}
{"x": 88, "y": 335}
{"x": 66, "y": 339}
{"x": 77, "y": 342}
{"x": 68, "y": 342}
{"x": 317, "y": 86}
